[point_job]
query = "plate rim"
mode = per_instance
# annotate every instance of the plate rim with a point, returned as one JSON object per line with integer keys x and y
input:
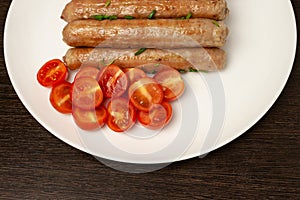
{"x": 184, "y": 156}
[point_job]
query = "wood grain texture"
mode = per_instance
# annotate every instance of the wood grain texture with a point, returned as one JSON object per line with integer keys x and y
{"x": 263, "y": 163}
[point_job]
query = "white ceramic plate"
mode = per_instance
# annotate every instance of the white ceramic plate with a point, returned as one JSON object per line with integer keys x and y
{"x": 215, "y": 109}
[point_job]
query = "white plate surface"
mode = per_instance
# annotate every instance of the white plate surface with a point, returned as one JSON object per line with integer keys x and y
{"x": 215, "y": 109}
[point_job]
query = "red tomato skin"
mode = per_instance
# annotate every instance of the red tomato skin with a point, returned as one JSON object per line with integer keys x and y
{"x": 60, "y": 97}
{"x": 86, "y": 93}
{"x": 120, "y": 107}
{"x": 52, "y": 73}
{"x": 171, "y": 82}
{"x": 113, "y": 81}
{"x": 156, "y": 118}
{"x": 85, "y": 119}
{"x": 144, "y": 93}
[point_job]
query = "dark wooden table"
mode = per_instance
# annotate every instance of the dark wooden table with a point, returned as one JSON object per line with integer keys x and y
{"x": 263, "y": 163}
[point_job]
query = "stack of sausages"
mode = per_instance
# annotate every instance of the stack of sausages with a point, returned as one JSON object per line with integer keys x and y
{"x": 186, "y": 35}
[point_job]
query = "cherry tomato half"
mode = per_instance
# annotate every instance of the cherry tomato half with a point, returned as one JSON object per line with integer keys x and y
{"x": 134, "y": 74}
{"x": 158, "y": 116}
{"x": 86, "y": 93}
{"x": 52, "y": 73}
{"x": 171, "y": 82}
{"x": 87, "y": 71}
{"x": 90, "y": 119}
{"x": 113, "y": 81}
{"x": 144, "y": 93}
{"x": 60, "y": 97}
{"x": 121, "y": 115}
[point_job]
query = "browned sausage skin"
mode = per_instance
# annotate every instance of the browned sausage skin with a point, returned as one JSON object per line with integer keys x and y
{"x": 84, "y": 9}
{"x": 158, "y": 33}
{"x": 207, "y": 59}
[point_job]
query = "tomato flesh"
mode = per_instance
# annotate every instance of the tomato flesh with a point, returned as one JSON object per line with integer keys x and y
{"x": 86, "y": 93}
{"x": 171, "y": 82}
{"x": 87, "y": 71}
{"x": 147, "y": 99}
{"x": 90, "y": 119}
{"x": 144, "y": 93}
{"x": 158, "y": 116}
{"x": 113, "y": 81}
{"x": 60, "y": 97}
{"x": 52, "y": 73}
{"x": 121, "y": 115}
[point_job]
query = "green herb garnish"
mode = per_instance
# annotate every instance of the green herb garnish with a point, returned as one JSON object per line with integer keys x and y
{"x": 193, "y": 70}
{"x": 107, "y": 3}
{"x": 128, "y": 17}
{"x": 98, "y": 17}
{"x": 103, "y": 17}
{"x": 215, "y": 23}
{"x": 152, "y": 14}
{"x": 189, "y": 15}
{"x": 140, "y": 51}
{"x": 112, "y": 17}
{"x": 197, "y": 70}
{"x": 181, "y": 71}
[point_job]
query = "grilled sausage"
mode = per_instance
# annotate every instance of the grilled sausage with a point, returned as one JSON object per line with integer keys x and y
{"x": 160, "y": 33}
{"x": 84, "y": 9}
{"x": 208, "y": 59}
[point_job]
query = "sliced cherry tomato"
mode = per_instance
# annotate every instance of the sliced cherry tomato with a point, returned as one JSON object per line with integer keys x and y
{"x": 113, "y": 81}
{"x": 60, "y": 97}
{"x": 86, "y": 93}
{"x": 158, "y": 116}
{"x": 87, "y": 71}
{"x": 121, "y": 115}
{"x": 52, "y": 73}
{"x": 134, "y": 74}
{"x": 171, "y": 82}
{"x": 144, "y": 93}
{"x": 90, "y": 119}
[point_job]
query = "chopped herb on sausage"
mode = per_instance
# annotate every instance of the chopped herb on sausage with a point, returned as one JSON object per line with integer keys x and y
{"x": 140, "y": 51}
{"x": 107, "y": 3}
{"x": 197, "y": 70}
{"x": 112, "y": 17}
{"x": 193, "y": 70}
{"x": 98, "y": 17}
{"x": 103, "y": 17}
{"x": 152, "y": 14}
{"x": 215, "y": 23}
{"x": 189, "y": 15}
